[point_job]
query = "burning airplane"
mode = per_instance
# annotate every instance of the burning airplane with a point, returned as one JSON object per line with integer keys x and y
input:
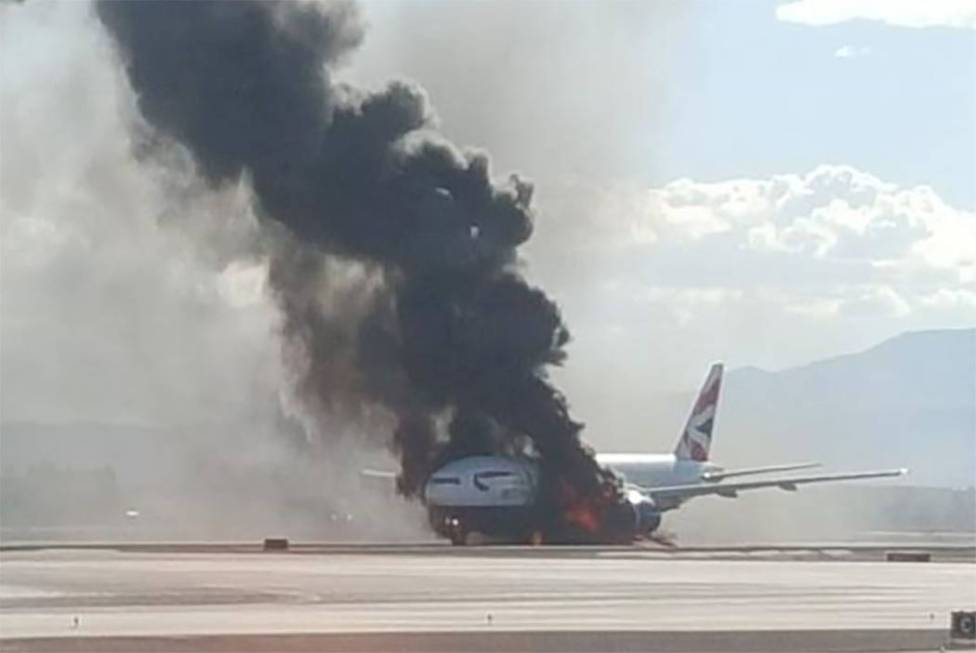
{"x": 499, "y": 496}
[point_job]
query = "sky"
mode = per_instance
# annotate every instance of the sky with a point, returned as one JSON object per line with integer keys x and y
{"x": 655, "y": 91}
{"x": 765, "y": 183}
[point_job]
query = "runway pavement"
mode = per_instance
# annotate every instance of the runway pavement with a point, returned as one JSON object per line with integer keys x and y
{"x": 175, "y": 599}
{"x": 958, "y": 550}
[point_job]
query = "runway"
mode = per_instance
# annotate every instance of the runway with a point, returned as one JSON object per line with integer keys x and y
{"x": 444, "y": 599}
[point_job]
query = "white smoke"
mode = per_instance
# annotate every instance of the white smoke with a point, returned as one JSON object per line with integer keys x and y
{"x": 136, "y": 328}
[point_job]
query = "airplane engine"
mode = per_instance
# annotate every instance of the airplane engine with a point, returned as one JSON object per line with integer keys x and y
{"x": 647, "y": 517}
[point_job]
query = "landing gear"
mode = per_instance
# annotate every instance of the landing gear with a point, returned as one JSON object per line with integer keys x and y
{"x": 456, "y": 531}
{"x": 475, "y": 526}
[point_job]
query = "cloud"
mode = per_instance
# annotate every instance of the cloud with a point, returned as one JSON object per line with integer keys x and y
{"x": 901, "y": 13}
{"x": 879, "y": 300}
{"x": 769, "y": 271}
{"x": 852, "y": 51}
{"x": 832, "y": 215}
{"x": 831, "y": 227}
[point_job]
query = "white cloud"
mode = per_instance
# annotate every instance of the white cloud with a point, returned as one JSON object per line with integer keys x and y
{"x": 951, "y": 299}
{"x": 834, "y": 214}
{"x": 901, "y": 13}
{"x": 770, "y": 271}
{"x": 852, "y": 51}
{"x": 833, "y": 227}
{"x": 880, "y": 301}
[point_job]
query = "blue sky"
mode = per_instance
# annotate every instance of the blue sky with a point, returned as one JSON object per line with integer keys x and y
{"x": 761, "y": 96}
{"x": 709, "y": 90}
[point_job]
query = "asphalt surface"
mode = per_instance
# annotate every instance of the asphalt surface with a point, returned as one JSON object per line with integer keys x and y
{"x": 177, "y": 598}
{"x": 812, "y": 641}
{"x": 957, "y": 551}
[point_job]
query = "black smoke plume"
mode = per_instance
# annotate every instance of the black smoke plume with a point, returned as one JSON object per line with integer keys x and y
{"x": 398, "y": 284}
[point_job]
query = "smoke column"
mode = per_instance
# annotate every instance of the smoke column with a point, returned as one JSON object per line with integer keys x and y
{"x": 396, "y": 274}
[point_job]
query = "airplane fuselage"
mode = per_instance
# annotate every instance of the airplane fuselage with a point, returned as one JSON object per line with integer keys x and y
{"x": 656, "y": 470}
{"x": 652, "y": 469}
{"x": 496, "y": 495}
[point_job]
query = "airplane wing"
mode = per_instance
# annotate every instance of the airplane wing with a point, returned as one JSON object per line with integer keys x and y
{"x": 678, "y": 493}
{"x": 720, "y": 475}
{"x": 382, "y": 474}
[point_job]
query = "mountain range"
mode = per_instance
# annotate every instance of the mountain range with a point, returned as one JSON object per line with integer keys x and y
{"x": 909, "y": 401}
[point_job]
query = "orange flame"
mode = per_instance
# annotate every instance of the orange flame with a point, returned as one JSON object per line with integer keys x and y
{"x": 583, "y": 516}
{"x": 586, "y": 513}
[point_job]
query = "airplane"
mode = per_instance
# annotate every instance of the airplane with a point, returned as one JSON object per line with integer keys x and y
{"x": 493, "y": 496}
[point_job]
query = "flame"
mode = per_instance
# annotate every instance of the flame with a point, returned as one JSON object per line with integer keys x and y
{"x": 580, "y": 511}
{"x": 584, "y": 516}
{"x": 588, "y": 512}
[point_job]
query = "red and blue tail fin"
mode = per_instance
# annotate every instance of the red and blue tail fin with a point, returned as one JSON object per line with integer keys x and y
{"x": 696, "y": 439}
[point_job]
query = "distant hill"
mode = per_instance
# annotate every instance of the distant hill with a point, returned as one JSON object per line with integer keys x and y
{"x": 909, "y": 401}
{"x": 136, "y": 453}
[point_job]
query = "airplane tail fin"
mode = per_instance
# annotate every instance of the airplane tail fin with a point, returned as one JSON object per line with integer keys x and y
{"x": 696, "y": 439}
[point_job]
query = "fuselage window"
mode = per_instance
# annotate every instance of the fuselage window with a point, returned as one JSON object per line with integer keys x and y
{"x": 445, "y": 480}
{"x": 494, "y": 474}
